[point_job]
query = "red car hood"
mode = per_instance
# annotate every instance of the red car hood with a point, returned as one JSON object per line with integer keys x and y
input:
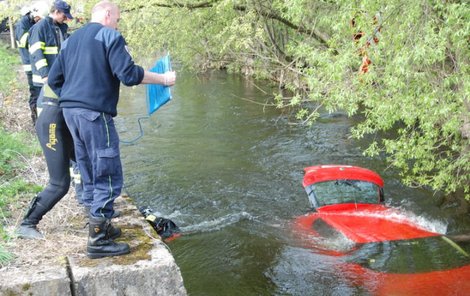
{"x": 365, "y": 223}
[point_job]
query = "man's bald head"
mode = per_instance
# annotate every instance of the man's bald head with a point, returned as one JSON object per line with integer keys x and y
{"x": 106, "y": 13}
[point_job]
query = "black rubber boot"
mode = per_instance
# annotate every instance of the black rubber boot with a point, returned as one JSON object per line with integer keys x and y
{"x": 30, "y": 221}
{"x": 39, "y": 206}
{"x": 100, "y": 243}
{"x": 29, "y": 232}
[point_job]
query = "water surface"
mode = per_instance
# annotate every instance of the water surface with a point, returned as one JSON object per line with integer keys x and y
{"x": 229, "y": 172}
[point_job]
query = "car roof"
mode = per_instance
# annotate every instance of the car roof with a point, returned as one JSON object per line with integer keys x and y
{"x": 323, "y": 173}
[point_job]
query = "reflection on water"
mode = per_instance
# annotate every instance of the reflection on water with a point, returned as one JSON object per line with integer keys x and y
{"x": 229, "y": 173}
{"x": 302, "y": 272}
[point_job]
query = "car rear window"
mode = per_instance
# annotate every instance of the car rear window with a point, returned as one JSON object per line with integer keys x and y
{"x": 343, "y": 191}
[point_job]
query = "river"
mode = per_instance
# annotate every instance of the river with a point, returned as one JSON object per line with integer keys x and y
{"x": 229, "y": 170}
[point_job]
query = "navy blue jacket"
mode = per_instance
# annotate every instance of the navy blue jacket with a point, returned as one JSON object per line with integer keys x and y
{"x": 44, "y": 45}
{"x": 22, "y": 27}
{"x": 90, "y": 67}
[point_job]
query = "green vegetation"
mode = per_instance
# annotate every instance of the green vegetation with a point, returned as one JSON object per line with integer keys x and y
{"x": 7, "y": 61}
{"x": 14, "y": 150}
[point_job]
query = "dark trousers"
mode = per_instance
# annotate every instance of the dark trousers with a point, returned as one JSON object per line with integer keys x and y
{"x": 57, "y": 145}
{"x": 97, "y": 155}
{"x": 33, "y": 91}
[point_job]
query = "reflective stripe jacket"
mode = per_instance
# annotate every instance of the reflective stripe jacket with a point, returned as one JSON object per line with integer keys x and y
{"x": 22, "y": 27}
{"x": 45, "y": 39}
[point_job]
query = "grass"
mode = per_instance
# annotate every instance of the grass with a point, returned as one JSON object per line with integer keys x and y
{"x": 15, "y": 150}
{"x": 8, "y": 61}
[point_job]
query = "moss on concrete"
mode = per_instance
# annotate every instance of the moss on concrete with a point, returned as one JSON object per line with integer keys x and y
{"x": 140, "y": 251}
{"x": 140, "y": 243}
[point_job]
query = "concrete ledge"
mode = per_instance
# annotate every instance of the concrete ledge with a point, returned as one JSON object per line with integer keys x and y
{"x": 51, "y": 280}
{"x": 149, "y": 269}
{"x": 156, "y": 276}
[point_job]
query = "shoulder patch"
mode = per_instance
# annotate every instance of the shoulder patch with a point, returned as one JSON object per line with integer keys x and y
{"x": 107, "y": 36}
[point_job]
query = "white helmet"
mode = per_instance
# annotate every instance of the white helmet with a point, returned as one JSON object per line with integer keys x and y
{"x": 40, "y": 9}
{"x": 25, "y": 9}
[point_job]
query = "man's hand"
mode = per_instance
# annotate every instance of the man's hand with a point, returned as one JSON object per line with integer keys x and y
{"x": 166, "y": 79}
{"x": 169, "y": 78}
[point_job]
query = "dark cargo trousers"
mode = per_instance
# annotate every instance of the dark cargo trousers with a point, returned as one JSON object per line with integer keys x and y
{"x": 97, "y": 154}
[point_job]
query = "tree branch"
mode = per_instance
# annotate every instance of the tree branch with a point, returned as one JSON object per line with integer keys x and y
{"x": 176, "y": 4}
{"x": 322, "y": 38}
{"x": 301, "y": 29}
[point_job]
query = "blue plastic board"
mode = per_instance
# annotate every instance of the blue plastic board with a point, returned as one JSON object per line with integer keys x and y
{"x": 158, "y": 95}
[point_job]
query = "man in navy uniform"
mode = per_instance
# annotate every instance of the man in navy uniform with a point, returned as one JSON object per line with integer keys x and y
{"x": 87, "y": 76}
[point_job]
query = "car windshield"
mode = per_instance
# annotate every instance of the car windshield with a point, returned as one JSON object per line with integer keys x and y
{"x": 413, "y": 256}
{"x": 342, "y": 191}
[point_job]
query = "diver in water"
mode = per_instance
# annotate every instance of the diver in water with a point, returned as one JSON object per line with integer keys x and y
{"x": 165, "y": 228}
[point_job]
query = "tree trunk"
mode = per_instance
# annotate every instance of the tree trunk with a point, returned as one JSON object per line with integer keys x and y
{"x": 12, "y": 33}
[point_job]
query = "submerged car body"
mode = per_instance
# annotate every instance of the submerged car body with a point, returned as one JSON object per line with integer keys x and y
{"x": 383, "y": 250}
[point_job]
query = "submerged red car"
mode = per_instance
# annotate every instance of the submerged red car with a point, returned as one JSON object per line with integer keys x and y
{"x": 383, "y": 251}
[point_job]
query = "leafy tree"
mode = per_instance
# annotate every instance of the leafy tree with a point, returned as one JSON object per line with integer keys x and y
{"x": 403, "y": 65}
